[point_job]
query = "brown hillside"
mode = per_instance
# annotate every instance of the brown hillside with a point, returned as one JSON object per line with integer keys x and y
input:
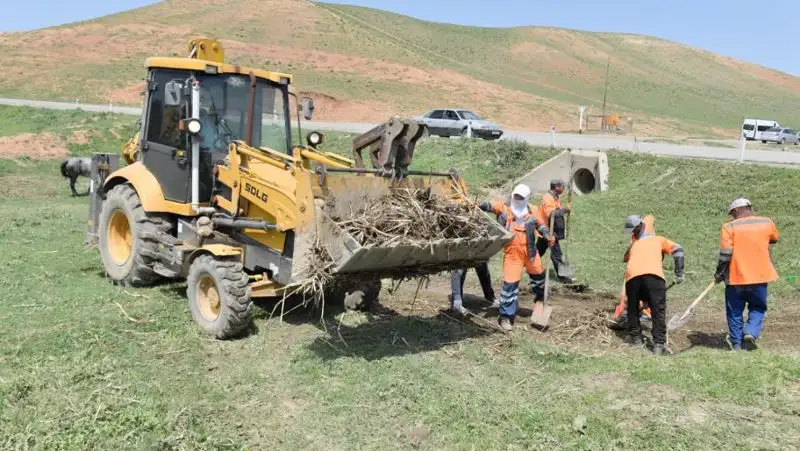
{"x": 365, "y": 64}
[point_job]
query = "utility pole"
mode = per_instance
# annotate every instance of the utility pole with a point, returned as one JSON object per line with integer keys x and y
{"x": 605, "y": 91}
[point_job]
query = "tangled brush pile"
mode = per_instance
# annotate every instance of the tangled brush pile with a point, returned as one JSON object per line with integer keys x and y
{"x": 413, "y": 217}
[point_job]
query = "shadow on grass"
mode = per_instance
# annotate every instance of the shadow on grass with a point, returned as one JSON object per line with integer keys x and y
{"x": 707, "y": 340}
{"x": 384, "y": 336}
{"x": 380, "y": 333}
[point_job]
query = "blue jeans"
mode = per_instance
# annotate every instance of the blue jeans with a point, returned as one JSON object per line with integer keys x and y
{"x": 736, "y": 298}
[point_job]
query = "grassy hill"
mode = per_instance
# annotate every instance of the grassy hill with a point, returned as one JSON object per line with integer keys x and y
{"x": 365, "y": 64}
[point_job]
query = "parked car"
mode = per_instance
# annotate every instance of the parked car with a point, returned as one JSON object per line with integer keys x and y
{"x": 456, "y": 122}
{"x": 780, "y": 135}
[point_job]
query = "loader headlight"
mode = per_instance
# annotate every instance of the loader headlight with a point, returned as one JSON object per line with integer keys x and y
{"x": 192, "y": 126}
{"x": 314, "y": 139}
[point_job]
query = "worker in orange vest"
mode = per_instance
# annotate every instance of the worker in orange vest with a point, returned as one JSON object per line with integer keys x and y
{"x": 745, "y": 265}
{"x": 645, "y": 279}
{"x": 551, "y": 206}
{"x": 620, "y": 318}
{"x": 520, "y": 253}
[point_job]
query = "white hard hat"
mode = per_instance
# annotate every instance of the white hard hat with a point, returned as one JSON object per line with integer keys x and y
{"x": 521, "y": 190}
{"x": 738, "y": 203}
{"x": 631, "y": 222}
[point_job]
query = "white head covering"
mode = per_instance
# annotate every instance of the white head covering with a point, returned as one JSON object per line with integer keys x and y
{"x": 738, "y": 203}
{"x": 520, "y": 207}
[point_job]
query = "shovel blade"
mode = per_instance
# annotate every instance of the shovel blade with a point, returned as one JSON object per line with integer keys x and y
{"x": 565, "y": 270}
{"x": 541, "y": 315}
{"x": 676, "y": 322}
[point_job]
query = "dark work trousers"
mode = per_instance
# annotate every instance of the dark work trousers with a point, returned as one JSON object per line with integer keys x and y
{"x": 555, "y": 253}
{"x": 653, "y": 291}
{"x": 460, "y": 275}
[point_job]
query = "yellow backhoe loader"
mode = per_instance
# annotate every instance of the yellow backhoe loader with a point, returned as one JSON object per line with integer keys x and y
{"x": 216, "y": 192}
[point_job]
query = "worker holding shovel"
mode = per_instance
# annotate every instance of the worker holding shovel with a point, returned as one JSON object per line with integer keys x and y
{"x": 551, "y": 208}
{"x": 645, "y": 278}
{"x": 745, "y": 265}
{"x": 520, "y": 253}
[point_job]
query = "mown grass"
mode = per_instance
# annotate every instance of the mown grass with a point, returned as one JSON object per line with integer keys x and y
{"x": 89, "y": 365}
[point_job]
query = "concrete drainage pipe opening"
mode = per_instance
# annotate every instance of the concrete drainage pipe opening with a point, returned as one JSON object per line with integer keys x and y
{"x": 584, "y": 181}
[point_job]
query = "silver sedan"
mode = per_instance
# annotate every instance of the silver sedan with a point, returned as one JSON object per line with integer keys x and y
{"x": 780, "y": 136}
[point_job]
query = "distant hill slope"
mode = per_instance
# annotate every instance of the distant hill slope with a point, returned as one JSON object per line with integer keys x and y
{"x": 365, "y": 64}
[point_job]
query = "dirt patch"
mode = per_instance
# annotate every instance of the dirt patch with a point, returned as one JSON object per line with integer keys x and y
{"x": 130, "y": 95}
{"x": 80, "y": 137}
{"x": 330, "y": 108}
{"x": 606, "y": 381}
{"x": 579, "y": 322}
{"x": 39, "y": 146}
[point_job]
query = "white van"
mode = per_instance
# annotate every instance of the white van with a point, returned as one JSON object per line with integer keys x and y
{"x": 752, "y": 128}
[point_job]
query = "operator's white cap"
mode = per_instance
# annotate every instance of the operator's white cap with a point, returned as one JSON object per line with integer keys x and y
{"x": 738, "y": 203}
{"x": 522, "y": 190}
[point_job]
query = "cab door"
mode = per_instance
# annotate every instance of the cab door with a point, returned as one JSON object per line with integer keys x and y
{"x": 164, "y": 148}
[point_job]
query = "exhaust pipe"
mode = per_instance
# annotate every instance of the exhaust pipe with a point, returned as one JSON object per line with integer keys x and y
{"x": 196, "y": 155}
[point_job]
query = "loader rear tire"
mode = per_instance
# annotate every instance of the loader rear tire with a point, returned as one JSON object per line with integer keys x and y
{"x": 128, "y": 238}
{"x": 219, "y": 296}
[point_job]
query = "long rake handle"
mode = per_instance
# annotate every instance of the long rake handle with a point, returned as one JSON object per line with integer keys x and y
{"x": 699, "y": 298}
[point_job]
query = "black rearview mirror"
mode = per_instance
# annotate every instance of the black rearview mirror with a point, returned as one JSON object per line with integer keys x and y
{"x": 307, "y": 104}
{"x": 173, "y": 91}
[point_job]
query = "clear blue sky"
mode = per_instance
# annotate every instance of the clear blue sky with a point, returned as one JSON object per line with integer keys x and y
{"x": 763, "y": 33}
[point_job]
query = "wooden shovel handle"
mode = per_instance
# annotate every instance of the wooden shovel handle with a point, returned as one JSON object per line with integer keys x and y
{"x": 699, "y": 298}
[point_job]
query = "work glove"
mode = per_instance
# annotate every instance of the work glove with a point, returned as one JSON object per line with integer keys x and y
{"x": 551, "y": 240}
{"x": 485, "y": 206}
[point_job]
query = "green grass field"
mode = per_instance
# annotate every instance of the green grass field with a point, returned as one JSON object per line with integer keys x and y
{"x": 89, "y": 365}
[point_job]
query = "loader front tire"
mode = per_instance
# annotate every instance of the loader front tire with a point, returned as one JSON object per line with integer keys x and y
{"x": 128, "y": 238}
{"x": 219, "y": 296}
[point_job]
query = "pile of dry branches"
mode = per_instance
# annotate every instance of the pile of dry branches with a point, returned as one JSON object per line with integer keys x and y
{"x": 318, "y": 268}
{"x": 413, "y": 217}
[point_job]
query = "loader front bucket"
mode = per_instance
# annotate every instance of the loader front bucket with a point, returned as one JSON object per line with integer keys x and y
{"x": 339, "y": 193}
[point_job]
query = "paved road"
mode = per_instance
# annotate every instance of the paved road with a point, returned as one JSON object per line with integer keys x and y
{"x": 585, "y": 142}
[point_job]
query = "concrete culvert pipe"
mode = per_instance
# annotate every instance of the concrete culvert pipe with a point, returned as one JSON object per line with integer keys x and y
{"x": 584, "y": 181}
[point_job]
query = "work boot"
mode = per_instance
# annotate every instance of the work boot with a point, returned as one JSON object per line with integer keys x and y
{"x": 637, "y": 342}
{"x": 494, "y": 303}
{"x": 750, "y": 342}
{"x": 658, "y": 349}
{"x": 566, "y": 280}
{"x": 731, "y": 345}
{"x": 459, "y": 310}
{"x": 505, "y": 324}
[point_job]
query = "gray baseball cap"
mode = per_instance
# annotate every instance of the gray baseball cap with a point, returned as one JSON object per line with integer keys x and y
{"x": 631, "y": 222}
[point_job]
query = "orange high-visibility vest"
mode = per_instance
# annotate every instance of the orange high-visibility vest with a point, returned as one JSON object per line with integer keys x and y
{"x": 746, "y": 240}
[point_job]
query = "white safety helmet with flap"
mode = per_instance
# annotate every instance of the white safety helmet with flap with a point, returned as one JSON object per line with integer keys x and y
{"x": 520, "y": 207}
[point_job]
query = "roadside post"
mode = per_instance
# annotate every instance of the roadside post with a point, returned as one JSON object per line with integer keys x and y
{"x": 552, "y": 136}
{"x": 742, "y": 146}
